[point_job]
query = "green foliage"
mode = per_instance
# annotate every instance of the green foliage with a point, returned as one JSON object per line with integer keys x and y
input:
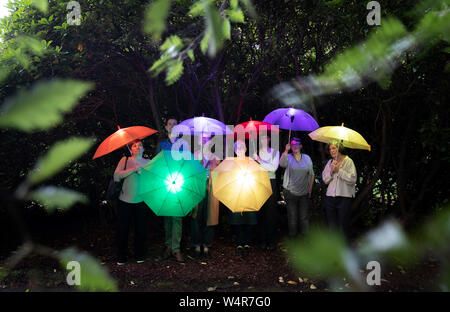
{"x": 58, "y": 157}
{"x": 249, "y": 7}
{"x": 3, "y": 273}
{"x": 236, "y": 15}
{"x": 174, "y": 72}
{"x": 169, "y": 60}
{"x": 43, "y": 106}
{"x": 197, "y": 9}
{"x": 226, "y": 29}
{"x": 155, "y": 18}
{"x": 172, "y": 45}
{"x": 217, "y": 31}
{"x": 190, "y": 53}
{"x": 42, "y": 5}
{"x": 204, "y": 42}
{"x": 214, "y": 26}
{"x": 323, "y": 252}
{"x": 52, "y": 197}
{"x": 437, "y": 230}
{"x": 367, "y": 58}
{"x": 33, "y": 45}
{"x": 434, "y": 26}
{"x": 93, "y": 277}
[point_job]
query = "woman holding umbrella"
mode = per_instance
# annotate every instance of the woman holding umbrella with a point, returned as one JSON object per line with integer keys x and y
{"x": 340, "y": 175}
{"x": 130, "y": 205}
{"x": 298, "y": 181}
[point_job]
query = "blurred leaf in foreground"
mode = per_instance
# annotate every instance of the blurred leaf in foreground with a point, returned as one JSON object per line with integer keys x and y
{"x": 155, "y": 18}
{"x": 52, "y": 197}
{"x": 42, "y": 5}
{"x": 31, "y": 44}
{"x": 43, "y": 106}
{"x": 58, "y": 157}
{"x": 214, "y": 26}
{"x": 322, "y": 252}
{"x": 436, "y": 232}
{"x": 3, "y": 273}
{"x": 93, "y": 277}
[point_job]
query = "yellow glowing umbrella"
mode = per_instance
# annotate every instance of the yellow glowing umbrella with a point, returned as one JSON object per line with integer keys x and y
{"x": 241, "y": 184}
{"x": 346, "y": 136}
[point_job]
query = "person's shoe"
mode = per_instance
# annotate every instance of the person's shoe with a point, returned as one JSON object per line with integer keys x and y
{"x": 167, "y": 254}
{"x": 120, "y": 263}
{"x": 197, "y": 252}
{"x": 206, "y": 253}
{"x": 239, "y": 250}
{"x": 140, "y": 261}
{"x": 271, "y": 247}
{"x": 247, "y": 249}
{"x": 178, "y": 256}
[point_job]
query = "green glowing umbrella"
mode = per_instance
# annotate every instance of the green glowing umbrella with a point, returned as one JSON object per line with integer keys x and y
{"x": 172, "y": 187}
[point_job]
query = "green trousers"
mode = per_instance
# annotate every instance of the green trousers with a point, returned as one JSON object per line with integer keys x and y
{"x": 173, "y": 227}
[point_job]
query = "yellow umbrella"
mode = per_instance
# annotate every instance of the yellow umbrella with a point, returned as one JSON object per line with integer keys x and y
{"x": 241, "y": 184}
{"x": 346, "y": 136}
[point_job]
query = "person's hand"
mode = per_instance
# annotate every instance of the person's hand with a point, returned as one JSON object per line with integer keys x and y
{"x": 333, "y": 166}
{"x": 138, "y": 169}
{"x": 288, "y": 147}
{"x": 309, "y": 193}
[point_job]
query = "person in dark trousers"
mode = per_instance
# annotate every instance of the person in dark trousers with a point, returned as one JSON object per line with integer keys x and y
{"x": 205, "y": 216}
{"x": 340, "y": 176}
{"x": 130, "y": 206}
{"x": 269, "y": 159}
{"x": 298, "y": 181}
{"x": 243, "y": 222}
{"x": 173, "y": 225}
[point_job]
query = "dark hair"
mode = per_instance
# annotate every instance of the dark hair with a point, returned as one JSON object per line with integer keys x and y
{"x": 296, "y": 140}
{"x": 135, "y": 141}
{"x": 171, "y": 117}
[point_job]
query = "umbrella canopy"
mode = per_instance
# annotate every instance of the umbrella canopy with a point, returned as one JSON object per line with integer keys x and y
{"x": 252, "y": 128}
{"x": 292, "y": 119}
{"x": 203, "y": 125}
{"x": 122, "y": 137}
{"x": 346, "y": 136}
{"x": 241, "y": 184}
{"x": 172, "y": 187}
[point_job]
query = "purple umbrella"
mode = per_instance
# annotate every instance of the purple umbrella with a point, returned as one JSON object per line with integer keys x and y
{"x": 203, "y": 125}
{"x": 292, "y": 119}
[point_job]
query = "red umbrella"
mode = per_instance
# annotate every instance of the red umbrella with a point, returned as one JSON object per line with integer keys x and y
{"x": 122, "y": 137}
{"x": 252, "y": 128}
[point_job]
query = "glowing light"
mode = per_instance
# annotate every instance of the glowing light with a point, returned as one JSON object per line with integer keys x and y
{"x": 174, "y": 182}
{"x": 247, "y": 179}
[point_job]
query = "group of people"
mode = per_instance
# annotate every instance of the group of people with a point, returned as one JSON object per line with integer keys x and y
{"x": 298, "y": 180}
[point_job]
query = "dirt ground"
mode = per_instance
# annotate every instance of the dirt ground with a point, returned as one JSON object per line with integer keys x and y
{"x": 261, "y": 270}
